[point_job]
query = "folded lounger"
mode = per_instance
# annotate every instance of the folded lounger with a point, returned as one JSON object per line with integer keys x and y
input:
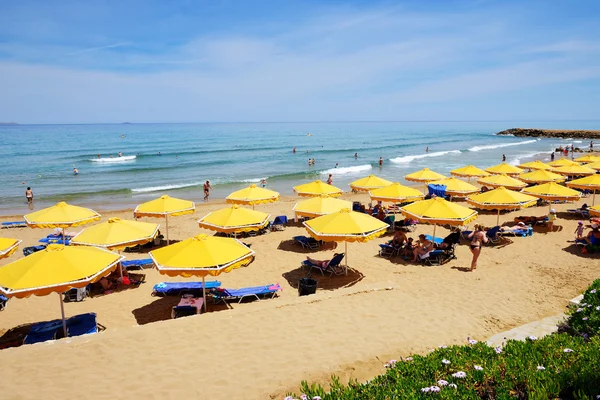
{"x": 307, "y": 242}
{"x": 137, "y": 263}
{"x": 331, "y": 268}
{"x": 14, "y": 224}
{"x": 224, "y": 295}
{"x": 76, "y": 326}
{"x": 32, "y": 249}
{"x": 181, "y": 288}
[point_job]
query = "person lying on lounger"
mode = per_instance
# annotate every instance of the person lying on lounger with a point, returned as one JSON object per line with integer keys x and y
{"x": 320, "y": 263}
{"x": 520, "y": 226}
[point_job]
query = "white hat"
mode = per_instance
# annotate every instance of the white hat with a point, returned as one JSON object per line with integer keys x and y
{"x": 553, "y": 211}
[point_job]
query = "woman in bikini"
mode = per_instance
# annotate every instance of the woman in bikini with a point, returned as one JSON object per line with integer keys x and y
{"x": 422, "y": 249}
{"x": 478, "y": 238}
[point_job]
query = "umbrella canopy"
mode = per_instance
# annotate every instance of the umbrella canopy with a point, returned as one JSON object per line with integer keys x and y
{"x": 369, "y": 183}
{"x": 502, "y": 181}
{"x": 552, "y": 191}
{"x": 61, "y": 215}
{"x": 541, "y": 176}
{"x": 594, "y": 165}
{"x": 317, "y": 206}
{"x": 469, "y": 171}
{"x": 535, "y": 165}
{"x": 588, "y": 159}
{"x": 116, "y": 234}
{"x": 396, "y": 193}
{"x": 424, "y": 175}
{"x": 591, "y": 182}
{"x": 574, "y": 170}
{"x": 202, "y": 255}
{"x": 8, "y": 246}
{"x": 234, "y": 219}
{"x": 439, "y": 211}
{"x": 57, "y": 268}
{"x": 317, "y": 188}
{"x": 456, "y": 187}
{"x": 595, "y": 210}
{"x": 504, "y": 168}
{"x": 163, "y": 207}
{"x": 502, "y": 199}
{"x": 562, "y": 162}
{"x": 253, "y": 195}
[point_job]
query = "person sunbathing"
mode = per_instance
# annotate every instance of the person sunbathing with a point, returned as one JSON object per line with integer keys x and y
{"x": 520, "y": 226}
{"x": 423, "y": 248}
{"x": 320, "y": 263}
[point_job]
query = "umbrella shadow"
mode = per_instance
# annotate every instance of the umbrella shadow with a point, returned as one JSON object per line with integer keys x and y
{"x": 295, "y": 247}
{"x": 14, "y": 336}
{"x": 324, "y": 282}
{"x": 136, "y": 281}
{"x": 161, "y": 308}
{"x": 576, "y": 251}
{"x": 145, "y": 248}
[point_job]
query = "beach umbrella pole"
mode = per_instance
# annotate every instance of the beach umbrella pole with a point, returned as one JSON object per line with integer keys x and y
{"x": 62, "y": 313}
{"x": 204, "y": 292}
{"x": 498, "y": 218}
{"x": 346, "y": 255}
{"x": 434, "y": 226}
{"x": 167, "y": 226}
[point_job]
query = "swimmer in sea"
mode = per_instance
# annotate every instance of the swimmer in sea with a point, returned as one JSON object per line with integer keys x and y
{"x": 120, "y": 154}
{"x": 380, "y": 161}
{"x": 355, "y": 155}
{"x": 427, "y": 149}
{"x": 98, "y": 155}
{"x": 75, "y": 171}
{"x": 294, "y": 150}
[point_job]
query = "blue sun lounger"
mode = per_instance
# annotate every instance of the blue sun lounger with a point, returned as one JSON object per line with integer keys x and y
{"x": 137, "y": 263}
{"x": 51, "y": 239}
{"x": 77, "y": 325}
{"x": 14, "y": 224}
{"x": 437, "y": 240}
{"x": 221, "y": 294}
{"x": 307, "y": 242}
{"x": 181, "y": 288}
{"x": 3, "y": 301}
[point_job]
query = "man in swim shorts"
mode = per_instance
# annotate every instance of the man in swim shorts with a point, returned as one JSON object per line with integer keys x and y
{"x": 29, "y": 196}
{"x": 207, "y": 188}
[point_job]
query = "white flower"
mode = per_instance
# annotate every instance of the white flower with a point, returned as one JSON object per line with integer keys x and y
{"x": 303, "y": 397}
{"x": 533, "y": 337}
{"x": 471, "y": 341}
{"x": 442, "y": 382}
{"x": 585, "y": 318}
{"x": 316, "y": 398}
{"x": 478, "y": 367}
{"x": 425, "y": 390}
{"x": 498, "y": 349}
{"x": 567, "y": 350}
{"x": 579, "y": 310}
{"x": 593, "y": 291}
{"x": 435, "y": 389}
{"x": 583, "y": 304}
{"x": 598, "y": 308}
{"x": 452, "y": 385}
{"x": 288, "y": 398}
{"x": 390, "y": 363}
{"x": 541, "y": 368}
{"x": 443, "y": 347}
{"x": 408, "y": 359}
{"x": 460, "y": 374}
{"x": 444, "y": 361}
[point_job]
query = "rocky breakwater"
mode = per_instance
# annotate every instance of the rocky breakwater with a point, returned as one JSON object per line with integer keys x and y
{"x": 551, "y": 133}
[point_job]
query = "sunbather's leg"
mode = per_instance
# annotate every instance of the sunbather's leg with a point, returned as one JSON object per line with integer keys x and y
{"x": 476, "y": 250}
{"x": 319, "y": 263}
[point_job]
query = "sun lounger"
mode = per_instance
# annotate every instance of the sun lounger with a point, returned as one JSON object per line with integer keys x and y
{"x": 580, "y": 212}
{"x": 188, "y": 305}
{"x": 139, "y": 264}
{"x": 32, "y": 249}
{"x": 437, "y": 190}
{"x": 55, "y": 240}
{"x": 14, "y": 224}
{"x": 526, "y": 231}
{"x": 307, "y": 242}
{"x": 3, "y": 301}
{"x": 225, "y": 295}
{"x": 181, "y": 288}
{"x": 437, "y": 240}
{"x": 440, "y": 256}
{"x": 331, "y": 268}
{"x": 75, "y": 295}
{"x": 279, "y": 223}
{"x": 387, "y": 250}
{"x": 76, "y": 326}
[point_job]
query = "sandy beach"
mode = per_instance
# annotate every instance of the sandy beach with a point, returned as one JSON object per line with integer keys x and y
{"x": 262, "y": 349}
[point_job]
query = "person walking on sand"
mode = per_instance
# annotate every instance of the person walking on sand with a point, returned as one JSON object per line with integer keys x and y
{"x": 207, "y": 188}
{"x": 478, "y": 238}
{"x": 29, "y": 197}
{"x": 579, "y": 230}
{"x": 551, "y": 219}
{"x": 380, "y": 161}
{"x": 330, "y": 179}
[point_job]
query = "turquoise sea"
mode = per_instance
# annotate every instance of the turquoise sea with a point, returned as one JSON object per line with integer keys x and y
{"x": 178, "y": 158}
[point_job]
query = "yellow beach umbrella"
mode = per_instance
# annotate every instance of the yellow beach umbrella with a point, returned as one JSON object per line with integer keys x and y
{"x": 469, "y": 171}
{"x": 574, "y": 170}
{"x": 562, "y": 162}
{"x": 424, "y": 175}
{"x": 502, "y": 180}
{"x": 552, "y": 191}
{"x": 369, "y": 183}
{"x": 116, "y": 234}
{"x": 202, "y": 255}
{"x": 588, "y": 159}
{"x": 594, "y": 165}
{"x": 541, "y": 176}
{"x": 8, "y": 246}
{"x": 395, "y": 193}
{"x": 163, "y": 207}
{"x": 253, "y": 195}
{"x": 501, "y": 199}
{"x": 317, "y": 188}
{"x": 591, "y": 182}
{"x": 456, "y": 187}
{"x": 234, "y": 219}
{"x": 58, "y": 269}
{"x": 534, "y": 165}
{"x": 61, "y": 215}
{"x": 317, "y": 206}
{"x": 438, "y": 211}
{"x": 345, "y": 226}
{"x": 595, "y": 210}
{"x": 504, "y": 168}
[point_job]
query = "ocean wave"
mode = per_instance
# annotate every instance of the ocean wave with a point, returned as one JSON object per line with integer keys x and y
{"x": 518, "y": 159}
{"x": 253, "y": 180}
{"x": 113, "y": 160}
{"x": 166, "y": 187}
{"x": 407, "y": 159}
{"x": 496, "y": 146}
{"x": 347, "y": 170}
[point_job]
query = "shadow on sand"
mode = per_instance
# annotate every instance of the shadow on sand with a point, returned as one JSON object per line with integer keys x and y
{"x": 324, "y": 282}
{"x": 160, "y": 309}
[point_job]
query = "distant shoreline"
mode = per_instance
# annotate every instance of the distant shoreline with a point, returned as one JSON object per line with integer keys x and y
{"x": 552, "y": 133}
{"x": 8, "y": 123}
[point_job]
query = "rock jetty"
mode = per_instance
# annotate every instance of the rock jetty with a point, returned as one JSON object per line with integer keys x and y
{"x": 551, "y": 133}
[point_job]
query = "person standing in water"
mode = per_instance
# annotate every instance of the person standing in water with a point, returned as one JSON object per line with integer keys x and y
{"x": 552, "y": 156}
{"x": 294, "y": 150}
{"x": 75, "y": 171}
{"x": 380, "y": 161}
{"x": 207, "y": 188}
{"x": 330, "y": 179}
{"x": 355, "y": 155}
{"x": 503, "y": 157}
{"x": 427, "y": 149}
{"x": 29, "y": 197}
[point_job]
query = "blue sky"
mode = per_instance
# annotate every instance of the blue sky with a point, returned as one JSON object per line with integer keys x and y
{"x": 298, "y": 60}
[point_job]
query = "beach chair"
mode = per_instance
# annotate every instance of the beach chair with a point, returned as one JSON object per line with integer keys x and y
{"x": 258, "y": 292}
{"x": 388, "y": 251}
{"x": 32, "y": 249}
{"x": 75, "y": 294}
{"x": 407, "y": 225}
{"x": 526, "y": 231}
{"x": 77, "y": 325}
{"x": 83, "y": 324}
{"x": 139, "y": 264}
{"x": 14, "y": 224}
{"x": 279, "y": 222}
{"x": 181, "y": 288}
{"x": 437, "y": 240}
{"x": 580, "y": 212}
{"x": 307, "y": 242}
{"x": 437, "y": 190}
{"x": 493, "y": 236}
{"x": 56, "y": 240}
{"x": 440, "y": 256}
{"x": 3, "y": 301}
{"x": 390, "y": 221}
{"x": 333, "y": 266}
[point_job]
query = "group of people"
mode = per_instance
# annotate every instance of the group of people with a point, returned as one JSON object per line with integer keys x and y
{"x": 421, "y": 249}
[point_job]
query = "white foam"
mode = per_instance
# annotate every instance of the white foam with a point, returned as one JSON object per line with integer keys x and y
{"x": 496, "y": 146}
{"x": 113, "y": 159}
{"x": 577, "y": 141}
{"x": 407, "y": 159}
{"x": 517, "y": 160}
{"x": 253, "y": 180}
{"x": 165, "y": 187}
{"x": 347, "y": 170}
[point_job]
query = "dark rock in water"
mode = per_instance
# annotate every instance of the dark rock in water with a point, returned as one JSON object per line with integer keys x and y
{"x": 551, "y": 133}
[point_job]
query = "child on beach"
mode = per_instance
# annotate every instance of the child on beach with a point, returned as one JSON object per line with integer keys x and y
{"x": 579, "y": 230}
{"x": 551, "y": 219}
